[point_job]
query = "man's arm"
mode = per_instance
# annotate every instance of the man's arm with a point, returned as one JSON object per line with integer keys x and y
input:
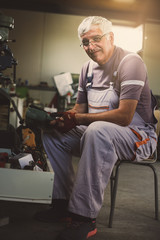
{"x": 122, "y": 115}
{"x": 78, "y": 116}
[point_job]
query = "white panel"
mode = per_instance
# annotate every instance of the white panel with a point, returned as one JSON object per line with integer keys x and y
{"x": 26, "y": 185}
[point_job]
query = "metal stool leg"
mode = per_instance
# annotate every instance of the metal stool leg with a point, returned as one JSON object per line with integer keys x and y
{"x": 155, "y": 191}
{"x": 155, "y": 187}
{"x": 114, "y": 183}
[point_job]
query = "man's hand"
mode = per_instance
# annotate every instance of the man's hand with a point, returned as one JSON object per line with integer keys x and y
{"x": 66, "y": 122}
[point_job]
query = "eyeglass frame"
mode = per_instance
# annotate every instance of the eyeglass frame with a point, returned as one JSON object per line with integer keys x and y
{"x": 93, "y": 40}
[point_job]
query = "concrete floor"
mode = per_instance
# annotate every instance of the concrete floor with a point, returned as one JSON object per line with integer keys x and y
{"x": 133, "y": 219}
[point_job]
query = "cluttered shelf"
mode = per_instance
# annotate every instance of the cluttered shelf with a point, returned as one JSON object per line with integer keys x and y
{"x": 22, "y": 91}
{"x": 43, "y": 88}
{"x": 61, "y": 96}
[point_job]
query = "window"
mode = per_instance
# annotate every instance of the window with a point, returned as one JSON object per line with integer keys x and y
{"x": 129, "y": 38}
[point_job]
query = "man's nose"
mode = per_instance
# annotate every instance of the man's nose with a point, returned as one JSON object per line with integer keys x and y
{"x": 91, "y": 45}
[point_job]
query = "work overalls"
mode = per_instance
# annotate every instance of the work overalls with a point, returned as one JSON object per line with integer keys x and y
{"x": 99, "y": 146}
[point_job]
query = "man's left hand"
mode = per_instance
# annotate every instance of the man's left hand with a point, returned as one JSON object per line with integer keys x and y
{"x": 66, "y": 122}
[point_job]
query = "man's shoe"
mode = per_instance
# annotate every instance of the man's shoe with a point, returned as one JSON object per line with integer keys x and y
{"x": 57, "y": 213}
{"x": 78, "y": 231}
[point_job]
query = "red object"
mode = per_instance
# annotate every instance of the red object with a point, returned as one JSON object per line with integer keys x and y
{"x": 68, "y": 121}
{"x": 3, "y": 159}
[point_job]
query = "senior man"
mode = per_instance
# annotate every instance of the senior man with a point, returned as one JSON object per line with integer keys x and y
{"x": 113, "y": 118}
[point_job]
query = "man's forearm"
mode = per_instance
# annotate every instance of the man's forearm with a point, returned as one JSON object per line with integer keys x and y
{"x": 113, "y": 116}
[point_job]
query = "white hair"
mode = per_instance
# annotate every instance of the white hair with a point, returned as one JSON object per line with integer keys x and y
{"x": 104, "y": 24}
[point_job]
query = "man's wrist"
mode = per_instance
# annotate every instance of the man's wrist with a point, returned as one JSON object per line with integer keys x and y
{"x": 79, "y": 118}
{"x": 76, "y": 118}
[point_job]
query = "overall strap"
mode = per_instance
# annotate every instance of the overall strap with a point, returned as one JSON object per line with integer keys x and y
{"x": 90, "y": 74}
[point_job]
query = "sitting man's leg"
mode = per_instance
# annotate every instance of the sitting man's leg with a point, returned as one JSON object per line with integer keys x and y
{"x": 102, "y": 144}
{"x": 60, "y": 148}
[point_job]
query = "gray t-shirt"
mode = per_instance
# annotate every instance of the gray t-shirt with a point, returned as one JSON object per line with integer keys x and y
{"x": 131, "y": 81}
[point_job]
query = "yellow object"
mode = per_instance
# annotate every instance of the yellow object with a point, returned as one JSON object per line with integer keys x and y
{"x": 28, "y": 138}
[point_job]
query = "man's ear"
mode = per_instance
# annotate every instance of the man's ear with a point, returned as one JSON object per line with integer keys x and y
{"x": 110, "y": 37}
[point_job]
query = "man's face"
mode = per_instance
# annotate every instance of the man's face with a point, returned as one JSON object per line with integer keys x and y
{"x": 99, "y": 51}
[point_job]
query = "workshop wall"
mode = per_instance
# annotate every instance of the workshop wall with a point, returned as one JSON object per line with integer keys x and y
{"x": 151, "y": 54}
{"x": 47, "y": 44}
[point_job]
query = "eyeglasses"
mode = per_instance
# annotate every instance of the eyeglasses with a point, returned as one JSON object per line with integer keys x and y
{"x": 95, "y": 40}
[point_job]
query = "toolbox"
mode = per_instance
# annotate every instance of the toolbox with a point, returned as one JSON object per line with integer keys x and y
{"x": 27, "y": 185}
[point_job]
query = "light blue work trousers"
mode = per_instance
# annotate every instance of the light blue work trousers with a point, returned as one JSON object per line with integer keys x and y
{"x": 99, "y": 146}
